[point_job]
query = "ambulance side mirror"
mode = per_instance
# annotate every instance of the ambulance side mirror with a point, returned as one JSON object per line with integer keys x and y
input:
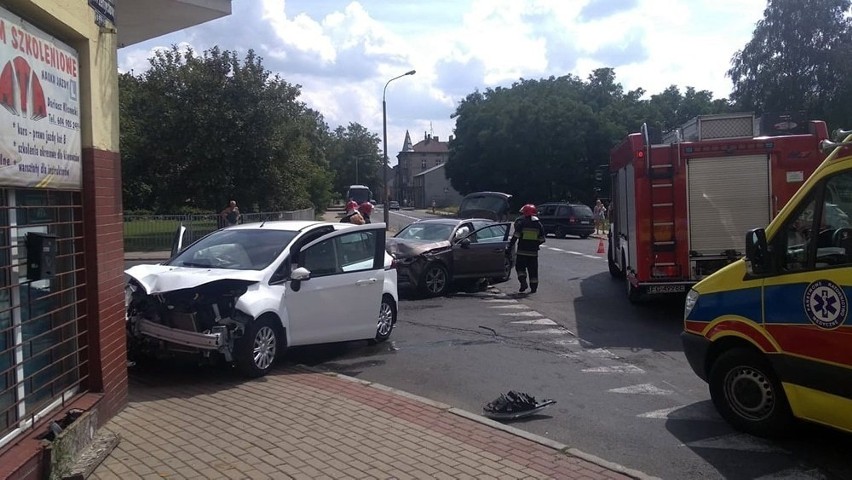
{"x": 756, "y": 258}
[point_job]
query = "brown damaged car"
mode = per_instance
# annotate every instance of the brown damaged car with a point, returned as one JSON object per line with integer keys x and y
{"x": 434, "y": 255}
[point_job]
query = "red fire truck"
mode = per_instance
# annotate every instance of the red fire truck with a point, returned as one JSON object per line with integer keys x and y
{"x": 682, "y": 204}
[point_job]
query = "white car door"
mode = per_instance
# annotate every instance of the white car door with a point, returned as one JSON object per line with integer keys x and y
{"x": 342, "y": 298}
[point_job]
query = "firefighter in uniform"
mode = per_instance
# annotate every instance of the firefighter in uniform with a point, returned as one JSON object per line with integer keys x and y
{"x": 529, "y": 235}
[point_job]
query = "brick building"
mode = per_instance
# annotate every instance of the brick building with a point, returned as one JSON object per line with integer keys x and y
{"x": 420, "y": 158}
{"x": 62, "y": 339}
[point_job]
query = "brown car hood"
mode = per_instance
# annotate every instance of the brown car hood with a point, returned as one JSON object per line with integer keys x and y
{"x": 411, "y": 248}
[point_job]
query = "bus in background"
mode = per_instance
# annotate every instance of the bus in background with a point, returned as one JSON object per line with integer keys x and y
{"x": 359, "y": 193}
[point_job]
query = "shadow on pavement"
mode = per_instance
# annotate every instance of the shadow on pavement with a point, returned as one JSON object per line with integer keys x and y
{"x": 184, "y": 377}
{"x": 653, "y": 324}
{"x": 810, "y": 451}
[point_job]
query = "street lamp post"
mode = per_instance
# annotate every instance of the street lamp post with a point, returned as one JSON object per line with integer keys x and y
{"x": 385, "y": 136}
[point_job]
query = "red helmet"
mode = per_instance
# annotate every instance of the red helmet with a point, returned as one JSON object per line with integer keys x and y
{"x": 366, "y": 208}
{"x": 352, "y": 205}
{"x": 529, "y": 210}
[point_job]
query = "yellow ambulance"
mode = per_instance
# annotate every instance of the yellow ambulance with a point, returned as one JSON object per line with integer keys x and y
{"x": 772, "y": 333}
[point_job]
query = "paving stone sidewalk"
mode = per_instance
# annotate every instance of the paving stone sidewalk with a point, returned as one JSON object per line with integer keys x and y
{"x": 300, "y": 423}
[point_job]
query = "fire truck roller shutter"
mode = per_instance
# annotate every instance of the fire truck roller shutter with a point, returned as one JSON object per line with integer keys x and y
{"x": 727, "y": 197}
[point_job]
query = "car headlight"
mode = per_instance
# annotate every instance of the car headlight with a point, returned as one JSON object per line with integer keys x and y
{"x": 691, "y": 300}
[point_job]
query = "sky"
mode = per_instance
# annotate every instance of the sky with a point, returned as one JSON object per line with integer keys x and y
{"x": 342, "y": 53}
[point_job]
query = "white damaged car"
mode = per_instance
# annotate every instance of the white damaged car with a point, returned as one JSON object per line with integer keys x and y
{"x": 247, "y": 292}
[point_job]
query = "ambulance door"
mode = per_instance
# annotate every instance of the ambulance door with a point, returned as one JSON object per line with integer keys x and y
{"x": 807, "y": 304}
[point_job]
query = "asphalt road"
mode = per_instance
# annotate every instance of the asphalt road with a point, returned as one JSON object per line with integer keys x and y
{"x": 623, "y": 388}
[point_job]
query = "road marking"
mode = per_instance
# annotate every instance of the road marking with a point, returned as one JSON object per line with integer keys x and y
{"x": 521, "y": 314}
{"x": 538, "y": 321}
{"x": 569, "y": 355}
{"x": 591, "y": 256}
{"x": 696, "y": 412}
{"x": 574, "y": 253}
{"x": 566, "y": 342}
{"x": 615, "y": 369}
{"x": 551, "y": 331}
{"x": 794, "y": 474}
{"x": 404, "y": 215}
{"x": 500, "y": 300}
{"x": 737, "y": 441}
{"x": 555, "y": 249}
{"x": 642, "y": 389}
{"x": 601, "y": 352}
{"x": 520, "y": 306}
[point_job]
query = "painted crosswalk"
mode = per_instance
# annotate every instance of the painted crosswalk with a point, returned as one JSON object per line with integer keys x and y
{"x": 642, "y": 389}
{"x": 526, "y": 322}
{"x": 521, "y": 323}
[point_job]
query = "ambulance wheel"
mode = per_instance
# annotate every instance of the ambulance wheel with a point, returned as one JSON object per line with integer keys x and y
{"x": 747, "y": 394}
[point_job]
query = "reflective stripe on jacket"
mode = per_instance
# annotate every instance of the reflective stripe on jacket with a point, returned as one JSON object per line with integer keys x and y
{"x": 529, "y": 233}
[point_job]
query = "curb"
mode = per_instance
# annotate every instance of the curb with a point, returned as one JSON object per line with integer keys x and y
{"x": 560, "y": 447}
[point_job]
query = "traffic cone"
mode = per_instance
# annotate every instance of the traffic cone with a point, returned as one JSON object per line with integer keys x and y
{"x": 601, "y": 250}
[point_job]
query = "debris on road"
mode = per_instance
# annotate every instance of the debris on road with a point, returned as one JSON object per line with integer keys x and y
{"x": 514, "y": 405}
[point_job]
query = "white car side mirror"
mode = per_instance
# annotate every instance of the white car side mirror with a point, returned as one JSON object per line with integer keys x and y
{"x": 300, "y": 274}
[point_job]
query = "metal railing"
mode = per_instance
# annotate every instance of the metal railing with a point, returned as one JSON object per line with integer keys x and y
{"x": 150, "y": 233}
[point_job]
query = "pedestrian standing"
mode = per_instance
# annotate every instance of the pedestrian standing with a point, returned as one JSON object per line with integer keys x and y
{"x": 231, "y": 214}
{"x": 600, "y": 216}
{"x": 529, "y": 235}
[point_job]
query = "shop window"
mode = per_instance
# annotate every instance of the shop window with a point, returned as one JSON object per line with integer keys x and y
{"x": 42, "y": 331}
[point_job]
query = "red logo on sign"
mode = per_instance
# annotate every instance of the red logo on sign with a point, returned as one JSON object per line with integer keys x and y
{"x": 20, "y": 90}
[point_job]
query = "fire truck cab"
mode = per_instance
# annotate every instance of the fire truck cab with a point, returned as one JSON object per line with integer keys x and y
{"x": 682, "y": 203}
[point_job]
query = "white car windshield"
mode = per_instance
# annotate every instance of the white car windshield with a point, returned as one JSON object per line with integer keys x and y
{"x": 235, "y": 249}
{"x": 426, "y": 232}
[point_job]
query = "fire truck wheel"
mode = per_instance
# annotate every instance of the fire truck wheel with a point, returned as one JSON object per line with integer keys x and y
{"x": 633, "y": 293}
{"x": 613, "y": 269}
{"x": 747, "y": 394}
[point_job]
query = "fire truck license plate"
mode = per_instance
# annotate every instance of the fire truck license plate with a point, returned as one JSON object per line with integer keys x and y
{"x": 666, "y": 288}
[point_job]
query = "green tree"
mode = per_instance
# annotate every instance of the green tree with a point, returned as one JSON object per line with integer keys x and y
{"x": 797, "y": 60}
{"x": 544, "y": 139}
{"x": 354, "y": 158}
{"x": 198, "y": 131}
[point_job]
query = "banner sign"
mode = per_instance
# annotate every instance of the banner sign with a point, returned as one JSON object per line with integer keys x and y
{"x": 40, "y": 141}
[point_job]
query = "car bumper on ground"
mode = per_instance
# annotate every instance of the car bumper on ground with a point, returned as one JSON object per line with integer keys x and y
{"x": 695, "y": 348}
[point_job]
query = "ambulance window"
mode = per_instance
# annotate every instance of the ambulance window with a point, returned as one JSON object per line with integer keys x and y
{"x": 819, "y": 235}
{"x": 797, "y": 241}
{"x": 834, "y": 247}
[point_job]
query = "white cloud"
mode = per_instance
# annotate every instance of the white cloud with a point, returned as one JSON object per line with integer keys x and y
{"x": 342, "y": 52}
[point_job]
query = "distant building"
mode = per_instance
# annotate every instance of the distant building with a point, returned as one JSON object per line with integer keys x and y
{"x": 433, "y": 185}
{"x": 418, "y": 179}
